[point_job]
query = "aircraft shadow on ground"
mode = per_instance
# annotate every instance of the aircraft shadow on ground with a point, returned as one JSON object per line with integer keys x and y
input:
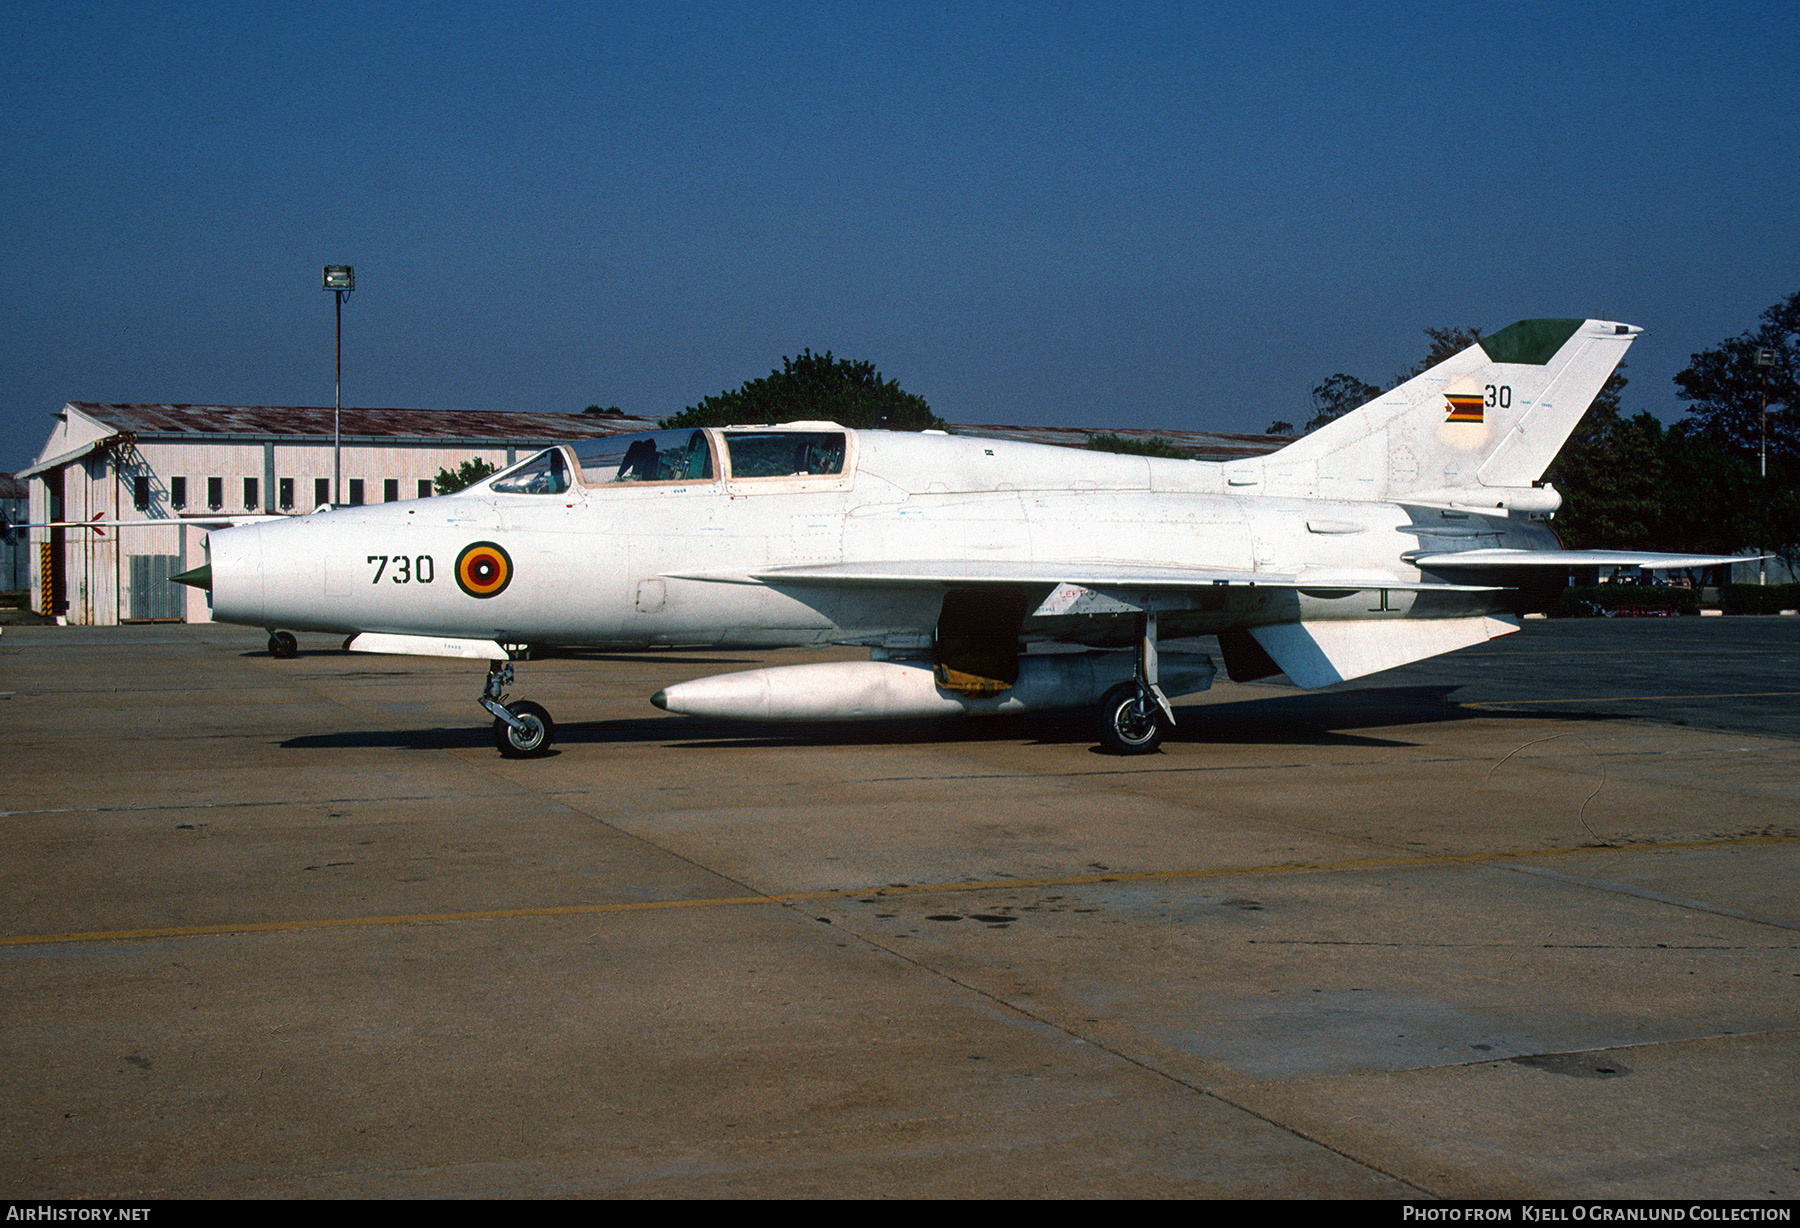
{"x": 1327, "y": 718}
{"x": 1306, "y": 719}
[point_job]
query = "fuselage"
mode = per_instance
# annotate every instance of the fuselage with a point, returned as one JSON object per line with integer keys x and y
{"x": 674, "y": 560}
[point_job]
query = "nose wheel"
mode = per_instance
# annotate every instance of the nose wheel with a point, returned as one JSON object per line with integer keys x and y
{"x": 283, "y": 645}
{"x": 522, "y": 729}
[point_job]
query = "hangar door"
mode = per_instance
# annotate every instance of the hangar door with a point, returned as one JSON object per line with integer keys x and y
{"x": 152, "y": 594}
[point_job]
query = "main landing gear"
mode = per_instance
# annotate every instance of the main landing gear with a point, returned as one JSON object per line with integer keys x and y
{"x": 522, "y": 729}
{"x": 1135, "y": 715}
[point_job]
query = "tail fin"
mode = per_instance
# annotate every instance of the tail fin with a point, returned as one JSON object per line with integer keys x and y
{"x": 1478, "y": 428}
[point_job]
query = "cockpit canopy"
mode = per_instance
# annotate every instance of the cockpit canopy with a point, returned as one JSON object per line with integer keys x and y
{"x": 676, "y": 456}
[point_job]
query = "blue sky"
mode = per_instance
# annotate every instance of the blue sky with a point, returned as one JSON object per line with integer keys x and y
{"x": 1150, "y": 215}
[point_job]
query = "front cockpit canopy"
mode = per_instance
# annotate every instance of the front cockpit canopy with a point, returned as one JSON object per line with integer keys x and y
{"x": 661, "y": 456}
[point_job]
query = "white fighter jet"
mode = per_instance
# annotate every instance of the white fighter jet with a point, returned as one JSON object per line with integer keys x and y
{"x": 983, "y": 576}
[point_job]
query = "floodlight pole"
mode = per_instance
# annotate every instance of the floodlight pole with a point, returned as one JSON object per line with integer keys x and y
{"x": 1765, "y": 358}
{"x": 340, "y": 279}
{"x": 1765, "y": 429}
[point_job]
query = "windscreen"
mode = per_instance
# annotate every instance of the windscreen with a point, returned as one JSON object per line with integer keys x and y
{"x": 547, "y": 473}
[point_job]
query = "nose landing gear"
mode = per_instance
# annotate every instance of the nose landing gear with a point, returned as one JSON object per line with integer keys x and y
{"x": 522, "y": 729}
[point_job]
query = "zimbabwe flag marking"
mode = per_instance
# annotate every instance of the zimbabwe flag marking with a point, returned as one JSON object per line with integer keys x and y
{"x": 1463, "y": 407}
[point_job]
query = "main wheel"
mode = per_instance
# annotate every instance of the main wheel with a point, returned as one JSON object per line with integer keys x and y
{"x": 1124, "y": 728}
{"x": 283, "y": 644}
{"x": 539, "y": 732}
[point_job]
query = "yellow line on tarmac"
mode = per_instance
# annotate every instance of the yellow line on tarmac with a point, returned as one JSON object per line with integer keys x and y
{"x": 843, "y": 893}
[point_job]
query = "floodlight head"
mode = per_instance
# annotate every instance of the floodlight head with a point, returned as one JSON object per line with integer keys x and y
{"x": 339, "y": 277}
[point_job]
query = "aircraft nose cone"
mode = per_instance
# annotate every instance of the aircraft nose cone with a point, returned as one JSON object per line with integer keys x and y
{"x": 661, "y": 700}
{"x": 199, "y": 577}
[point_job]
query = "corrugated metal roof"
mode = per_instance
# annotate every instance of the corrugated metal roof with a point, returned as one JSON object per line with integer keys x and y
{"x": 315, "y": 421}
{"x": 471, "y": 424}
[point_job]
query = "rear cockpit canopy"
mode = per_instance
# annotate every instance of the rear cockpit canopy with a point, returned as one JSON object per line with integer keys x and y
{"x": 785, "y": 454}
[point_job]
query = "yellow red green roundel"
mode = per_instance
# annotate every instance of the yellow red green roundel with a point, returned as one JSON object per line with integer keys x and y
{"x": 483, "y": 569}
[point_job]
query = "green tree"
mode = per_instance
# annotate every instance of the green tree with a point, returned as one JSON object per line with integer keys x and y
{"x": 1711, "y": 497}
{"x": 471, "y": 471}
{"x": 815, "y": 388}
{"x": 1727, "y": 387}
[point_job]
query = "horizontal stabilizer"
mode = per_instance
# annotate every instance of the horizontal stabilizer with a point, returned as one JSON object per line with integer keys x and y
{"x": 1577, "y": 558}
{"x": 1316, "y": 654}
